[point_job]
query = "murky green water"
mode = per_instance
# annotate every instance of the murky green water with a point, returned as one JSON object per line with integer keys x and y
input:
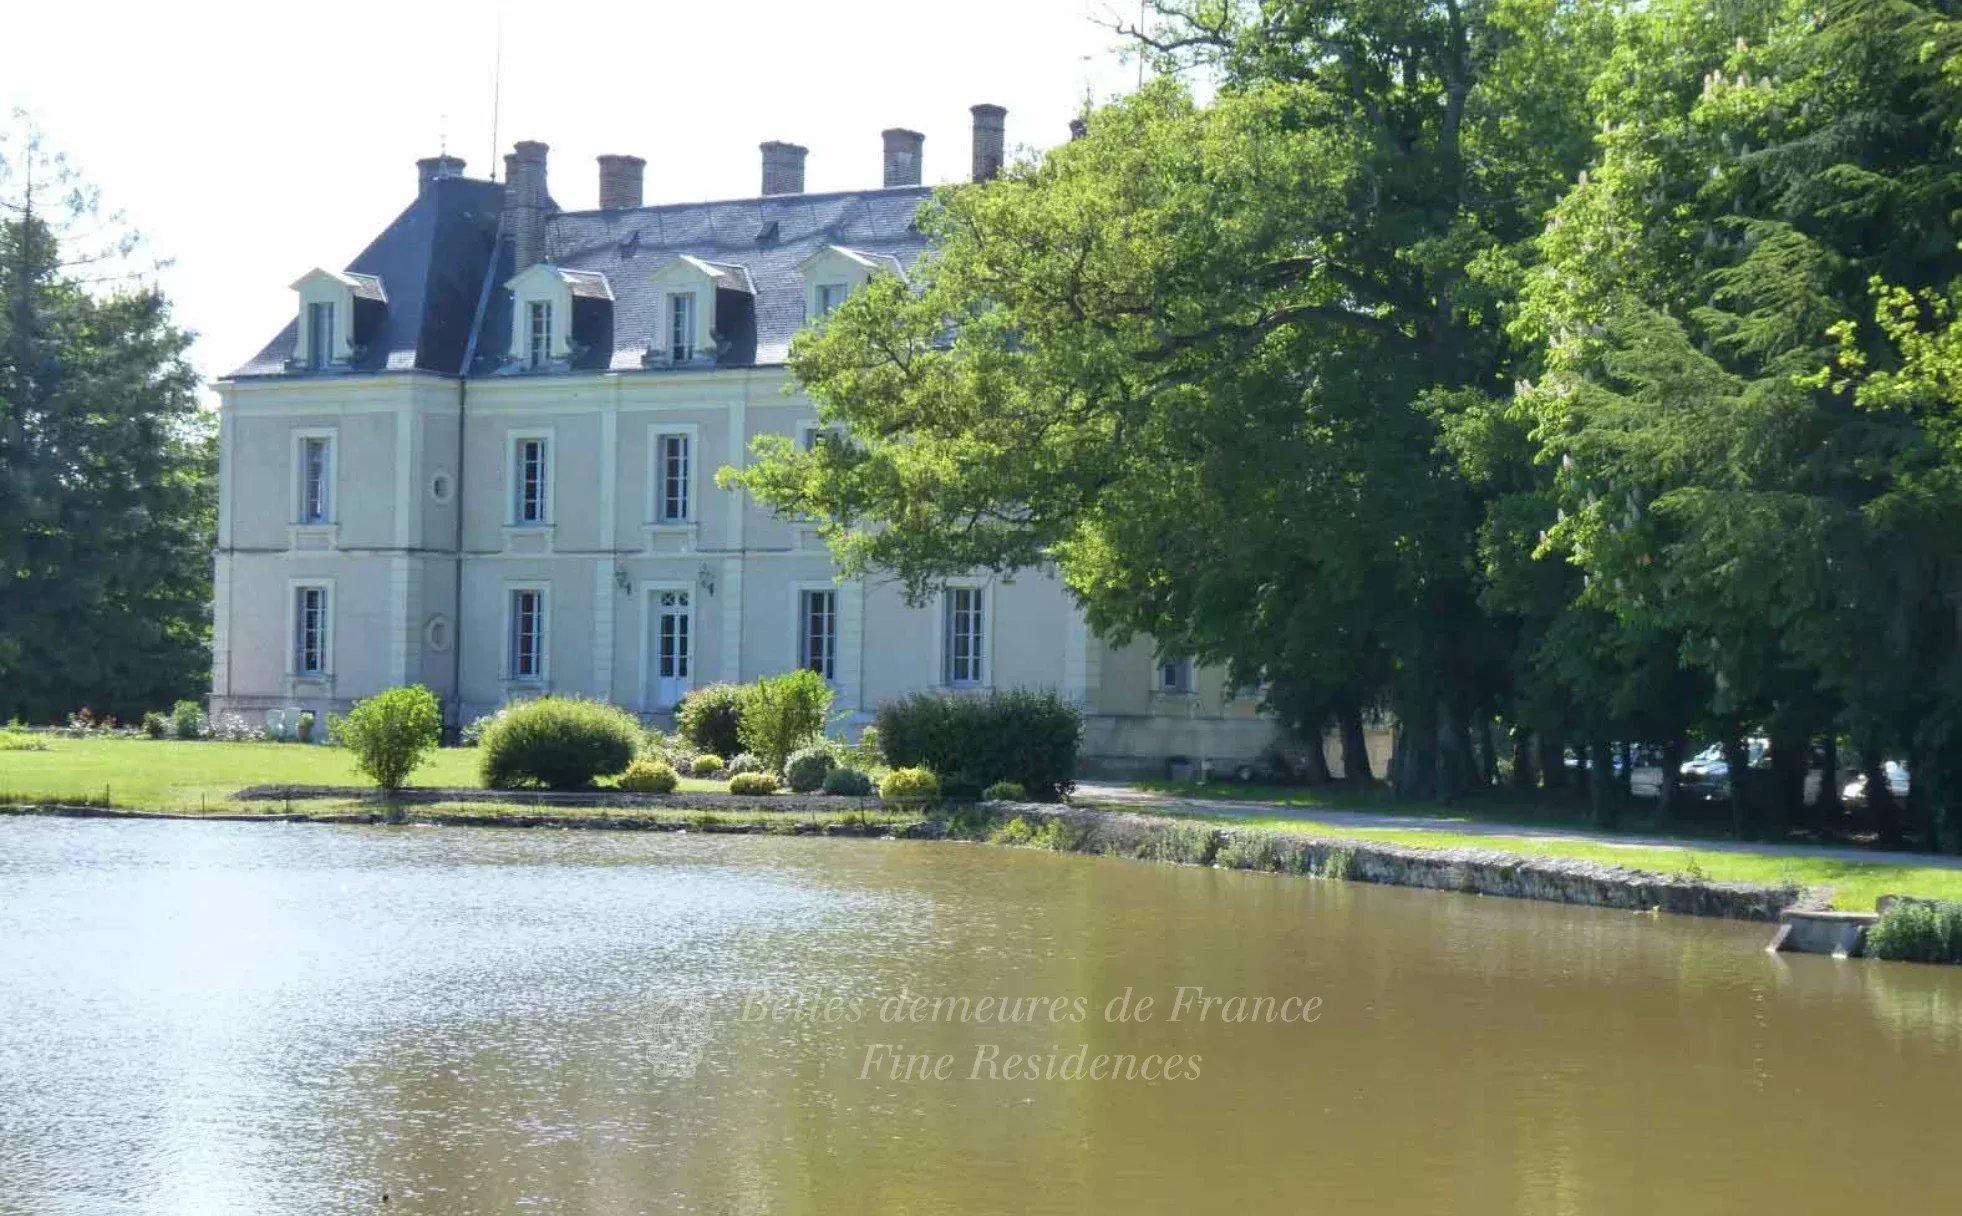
{"x": 210, "y": 1018}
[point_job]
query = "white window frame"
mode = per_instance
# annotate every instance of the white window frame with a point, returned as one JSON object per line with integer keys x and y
{"x": 294, "y": 587}
{"x": 658, "y": 514}
{"x": 692, "y": 321}
{"x": 984, "y": 599}
{"x": 302, "y": 436}
{"x": 819, "y": 291}
{"x": 540, "y": 348}
{"x": 801, "y": 617}
{"x": 514, "y": 477}
{"x": 543, "y": 646}
{"x": 1184, "y": 680}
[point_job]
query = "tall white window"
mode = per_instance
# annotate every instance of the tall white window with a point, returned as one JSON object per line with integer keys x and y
{"x": 817, "y": 632}
{"x": 310, "y": 631}
{"x": 1175, "y": 675}
{"x": 681, "y": 327}
{"x": 966, "y": 637}
{"x": 538, "y": 347}
{"x": 530, "y": 470}
{"x": 320, "y": 335}
{"x": 316, "y": 479}
{"x": 829, "y": 297}
{"x": 527, "y": 643}
{"x": 672, "y": 459}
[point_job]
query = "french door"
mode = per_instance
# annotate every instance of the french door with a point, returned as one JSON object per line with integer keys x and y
{"x": 672, "y": 646}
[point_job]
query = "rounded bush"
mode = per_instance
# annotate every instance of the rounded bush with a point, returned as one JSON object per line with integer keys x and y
{"x": 753, "y": 783}
{"x": 156, "y": 724}
{"x": 560, "y": 743}
{"x": 847, "y": 783}
{"x": 910, "y": 785}
{"x": 711, "y": 718}
{"x": 807, "y": 768}
{"x": 649, "y": 776}
{"x": 1004, "y": 791}
{"x": 392, "y": 733}
{"x": 745, "y": 762}
{"x": 706, "y": 765}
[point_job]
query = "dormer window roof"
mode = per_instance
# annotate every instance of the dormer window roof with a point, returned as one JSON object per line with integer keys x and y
{"x": 725, "y": 276}
{"x": 340, "y": 313}
{"x": 706, "y": 309}
{"x": 835, "y": 271}
{"x": 839, "y": 256}
{"x": 556, "y": 313}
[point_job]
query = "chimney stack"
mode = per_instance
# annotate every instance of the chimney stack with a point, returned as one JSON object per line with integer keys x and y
{"x": 989, "y": 124}
{"x": 783, "y": 168}
{"x": 432, "y": 169}
{"x": 524, "y": 202}
{"x": 903, "y": 149}
{"x": 620, "y": 181}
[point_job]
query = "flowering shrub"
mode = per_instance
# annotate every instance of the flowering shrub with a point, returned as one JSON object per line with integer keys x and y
{"x": 230, "y": 727}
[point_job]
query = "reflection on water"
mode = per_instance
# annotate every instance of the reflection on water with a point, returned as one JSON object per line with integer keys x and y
{"x": 214, "y": 1018}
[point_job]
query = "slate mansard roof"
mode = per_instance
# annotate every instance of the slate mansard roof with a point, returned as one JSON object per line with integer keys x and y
{"x": 432, "y": 262}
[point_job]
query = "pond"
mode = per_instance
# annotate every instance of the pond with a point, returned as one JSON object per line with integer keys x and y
{"x": 219, "y": 1018}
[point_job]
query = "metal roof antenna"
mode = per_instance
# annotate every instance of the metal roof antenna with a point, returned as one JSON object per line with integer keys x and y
{"x": 497, "y": 88}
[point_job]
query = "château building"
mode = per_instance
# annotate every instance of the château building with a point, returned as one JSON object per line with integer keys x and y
{"x": 481, "y": 457}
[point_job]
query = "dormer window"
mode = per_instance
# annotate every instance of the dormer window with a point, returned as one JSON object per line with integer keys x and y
{"x": 538, "y": 350}
{"x": 340, "y": 312}
{"x": 682, "y": 318}
{"x": 558, "y": 313}
{"x": 834, "y": 272}
{"x": 706, "y": 313}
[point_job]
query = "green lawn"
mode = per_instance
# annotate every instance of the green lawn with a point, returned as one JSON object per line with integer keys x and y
{"x": 168, "y": 775}
{"x": 1855, "y": 885}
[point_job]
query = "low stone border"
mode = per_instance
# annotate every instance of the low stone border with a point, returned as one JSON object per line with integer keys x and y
{"x": 680, "y": 800}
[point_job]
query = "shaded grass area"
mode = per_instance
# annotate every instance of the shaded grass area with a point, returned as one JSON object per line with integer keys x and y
{"x": 1556, "y": 809}
{"x": 1855, "y": 885}
{"x": 173, "y": 775}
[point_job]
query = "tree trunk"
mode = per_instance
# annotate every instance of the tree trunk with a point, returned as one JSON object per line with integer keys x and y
{"x": 1743, "y": 808}
{"x": 1828, "y": 811}
{"x": 1669, "y": 794}
{"x": 1553, "y": 765}
{"x": 1414, "y": 765}
{"x": 1881, "y": 805}
{"x": 1314, "y": 754}
{"x": 1355, "y": 748}
{"x": 1626, "y": 778}
{"x": 1791, "y": 755}
{"x": 1920, "y": 804}
{"x": 1603, "y": 791}
{"x": 1523, "y": 776}
{"x": 1488, "y": 755}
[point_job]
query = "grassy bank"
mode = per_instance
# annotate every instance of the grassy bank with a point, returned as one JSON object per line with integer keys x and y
{"x": 1855, "y": 885}
{"x": 169, "y": 775}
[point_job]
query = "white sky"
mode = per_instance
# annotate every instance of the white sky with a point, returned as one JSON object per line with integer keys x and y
{"x": 251, "y": 142}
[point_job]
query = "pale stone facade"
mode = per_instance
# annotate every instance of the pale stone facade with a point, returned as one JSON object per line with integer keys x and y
{"x": 544, "y": 518}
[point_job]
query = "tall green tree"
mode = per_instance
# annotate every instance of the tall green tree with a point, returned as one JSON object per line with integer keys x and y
{"x": 1204, "y": 358}
{"x": 107, "y": 463}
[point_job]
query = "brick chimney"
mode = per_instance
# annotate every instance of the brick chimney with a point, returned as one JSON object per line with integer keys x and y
{"x": 903, "y": 156}
{"x": 783, "y": 168}
{"x": 524, "y": 202}
{"x": 432, "y": 169}
{"x": 620, "y": 180}
{"x": 990, "y": 124}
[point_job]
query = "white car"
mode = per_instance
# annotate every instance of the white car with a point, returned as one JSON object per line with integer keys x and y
{"x": 1855, "y": 792}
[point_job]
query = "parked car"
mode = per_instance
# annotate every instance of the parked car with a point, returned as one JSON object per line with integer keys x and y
{"x": 1707, "y": 774}
{"x": 1855, "y": 793}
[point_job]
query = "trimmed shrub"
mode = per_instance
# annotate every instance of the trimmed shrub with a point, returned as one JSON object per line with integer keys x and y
{"x": 705, "y": 765}
{"x": 187, "y": 720}
{"x": 753, "y": 783}
{"x": 1004, "y": 791}
{"x": 1918, "y": 932}
{"x": 910, "y": 785}
{"x": 1026, "y": 737}
{"x": 560, "y": 743}
{"x": 745, "y": 762}
{"x": 391, "y": 733}
{"x": 807, "y": 768}
{"x": 21, "y": 741}
{"x": 711, "y": 718}
{"x": 783, "y": 713}
{"x": 156, "y": 724}
{"x": 847, "y": 783}
{"x": 303, "y": 727}
{"x": 649, "y": 776}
